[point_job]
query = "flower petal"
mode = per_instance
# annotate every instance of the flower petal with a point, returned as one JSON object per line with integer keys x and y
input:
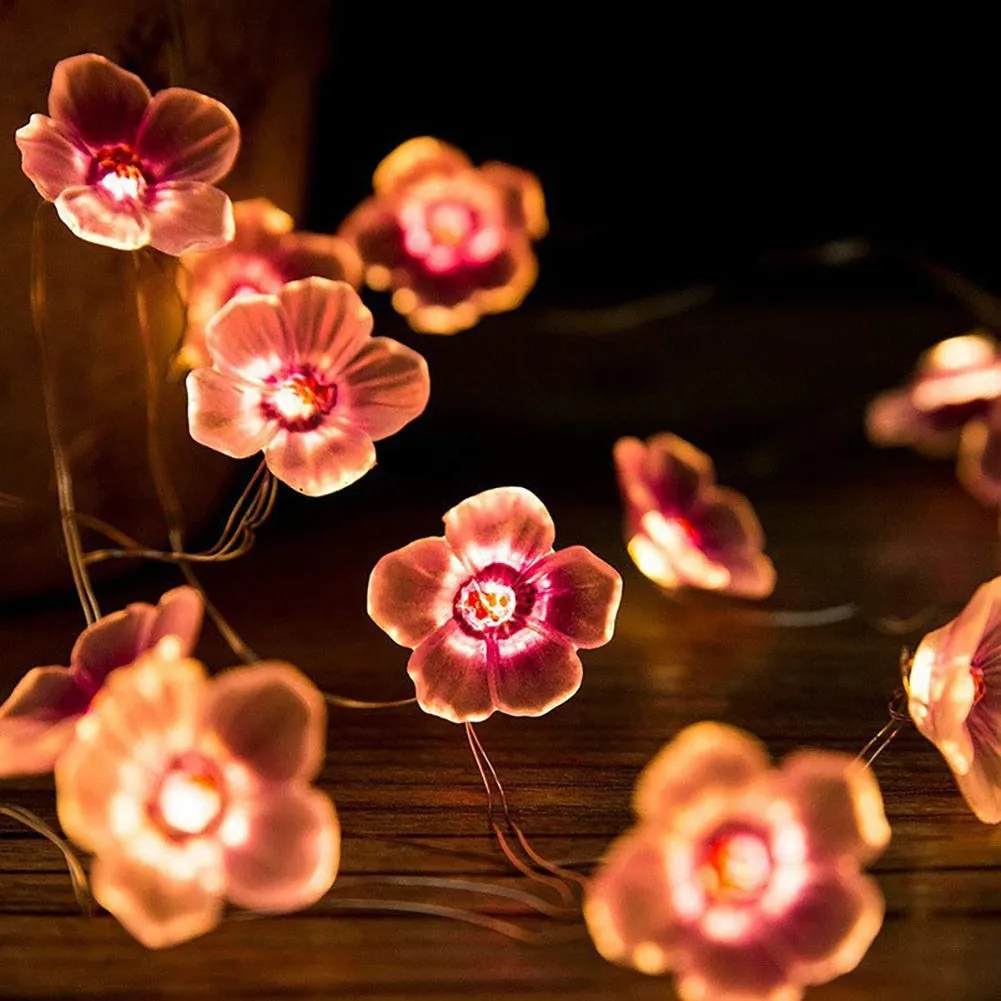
{"x": 226, "y": 414}
{"x": 726, "y": 523}
{"x": 524, "y": 204}
{"x": 186, "y": 136}
{"x": 112, "y": 642}
{"x": 411, "y": 591}
{"x": 51, "y": 162}
{"x": 417, "y": 159}
{"x": 981, "y": 783}
{"x": 100, "y": 102}
{"x": 290, "y": 853}
{"x": 628, "y": 906}
{"x": 979, "y": 464}
{"x": 327, "y": 323}
{"x": 153, "y": 907}
{"x": 374, "y": 232}
{"x": 678, "y": 471}
{"x": 259, "y": 224}
{"x": 179, "y": 613}
{"x": 450, "y": 674}
{"x": 93, "y": 217}
{"x": 306, "y": 255}
{"x": 839, "y": 803}
{"x": 752, "y": 575}
{"x": 504, "y": 525}
{"x": 703, "y": 758}
{"x": 384, "y": 387}
{"x": 533, "y": 671}
{"x": 189, "y": 215}
{"x": 321, "y": 462}
{"x": 248, "y": 338}
{"x": 272, "y": 717}
{"x": 737, "y": 971}
{"x": 892, "y": 419}
{"x": 578, "y": 595}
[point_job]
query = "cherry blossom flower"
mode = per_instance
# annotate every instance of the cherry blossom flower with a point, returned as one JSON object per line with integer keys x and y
{"x": 682, "y": 530}
{"x": 741, "y": 879}
{"x": 954, "y": 698}
{"x": 494, "y": 616}
{"x": 126, "y": 169}
{"x": 298, "y": 376}
{"x": 265, "y": 254}
{"x": 452, "y": 241}
{"x": 191, "y": 792}
{"x": 38, "y": 721}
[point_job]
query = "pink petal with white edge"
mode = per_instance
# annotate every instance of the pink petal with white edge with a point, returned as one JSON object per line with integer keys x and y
{"x": 51, "y": 162}
{"x": 112, "y": 642}
{"x": 578, "y": 595}
{"x": 384, "y": 387}
{"x": 504, "y": 525}
{"x": 186, "y": 136}
{"x": 327, "y": 323}
{"x": 450, "y": 674}
{"x": 179, "y": 613}
{"x": 981, "y": 784}
{"x": 227, "y": 414}
{"x": 189, "y": 215}
{"x": 153, "y": 907}
{"x": 411, "y": 591}
{"x": 289, "y": 855}
{"x": 839, "y": 804}
{"x": 703, "y": 758}
{"x": 628, "y": 908}
{"x": 741, "y": 971}
{"x": 98, "y": 101}
{"x": 93, "y": 217}
{"x": 248, "y": 338}
{"x": 534, "y": 671}
{"x": 630, "y": 457}
{"x": 321, "y": 462}
{"x": 271, "y": 717}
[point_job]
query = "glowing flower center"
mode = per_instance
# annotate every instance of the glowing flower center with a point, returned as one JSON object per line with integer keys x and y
{"x": 118, "y": 172}
{"x": 190, "y": 800}
{"x": 736, "y": 867}
{"x": 979, "y": 685}
{"x": 303, "y": 397}
{"x": 450, "y": 223}
{"x": 486, "y": 604}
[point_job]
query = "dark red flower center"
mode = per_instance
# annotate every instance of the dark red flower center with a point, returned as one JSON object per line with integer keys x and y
{"x": 735, "y": 865}
{"x": 299, "y": 400}
{"x": 118, "y": 172}
{"x": 189, "y": 800}
{"x": 448, "y": 234}
{"x": 979, "y": 685}
{"x": 494, "y": 602}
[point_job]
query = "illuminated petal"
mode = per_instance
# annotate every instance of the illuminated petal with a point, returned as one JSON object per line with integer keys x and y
{"x": 504, "y": 525}
{"x": 524, "y": 205}
{"x": 100, "y": 102}
{"x": 578, "y": 595}
{"x": 752, "y": 575}
{"x": 304, "y": 255}
{"x": 186, "y": 136}
{"x": 189, "y": 215}
{"x": 411, "y": 591}
{"x": 534, "y": 671}
{"x": 153, "y": 907}
{"x": 226, "y": 414}
{"x": 248, "y": 338}
{"x": 260, "y": 224}
{"x": 179, "y": 613}
{"x": 323, "y": 461}
{"x": 678, "y": 471}
{"x": 628, "y": 907}
{"x": 630, "y": 457}
{"x": 384, "y": 387}
{"x": 981, "y": 784}
{"x": 450, "y": 674}
{"x": 328, "y": 324}
{"x": 704, "y": 758}
{"x": 93, "y": 217}
{"x": 414, "y": 160}
{"x": 979, "y": 467}
{"x": 726, "y": 523}
{"x": 51, "y": 162}
{"x": 112, "y": 642}
{"x": 289, "y": 856}
{"x": 892, "y": 419}
{"x": 739, "y": 971}
{"x": 839, "y": 803}
{"x": 271, "y": 717}
{"x": 373, "y": 230}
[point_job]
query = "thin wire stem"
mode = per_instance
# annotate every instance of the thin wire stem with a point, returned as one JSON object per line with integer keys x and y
{"x": 345, "y": 703}
{"x": 885, "y": 736}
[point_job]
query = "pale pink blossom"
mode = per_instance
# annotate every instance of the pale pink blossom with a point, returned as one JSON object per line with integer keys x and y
{"x": 126, "y": 169}
{"x": 681, "y": 529}
{"x": 266, "y": 253}
{"x": 299, "y": 376}
{"x": 192, "y": 792}
{"x": 450, "y": 240}
{"x": 743, "y": 880}
{"x": 954, "y": 697}
{"x": 38, "y": 720}
{"x": 494, "y": 616}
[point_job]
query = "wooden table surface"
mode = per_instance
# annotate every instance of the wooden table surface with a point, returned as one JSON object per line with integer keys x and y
{"x": 890, "y": 532}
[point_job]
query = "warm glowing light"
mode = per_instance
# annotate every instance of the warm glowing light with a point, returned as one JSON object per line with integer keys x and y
{"x": 966, "y": 351}
{"x": 450, "y": 223}
{"x": 124, "y": 186}
{"x": 189, "y": 802}
{"x": 302, "y": 398}
{"x": 486, "y": 604}
{"x": 667, "y": 551}
{"x": 737, "y": 867}
{"x": 118, "y": 172}
{"x": 955, "y": 390}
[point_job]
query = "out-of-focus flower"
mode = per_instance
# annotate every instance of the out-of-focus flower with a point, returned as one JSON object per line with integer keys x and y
{"x": 191, "y": 792}
{"x": 452, "y": 241}
{"x": 954, "y": 697}
{"x": 126, "y": 169}
{"x": 682, "y": 530}
{"x": 494, "y": 616}
{"x": 742, "y": 880}
{"x": 266, "y": 253}
{"x": 38, "y": 721}
{"x": 299, "y": 376}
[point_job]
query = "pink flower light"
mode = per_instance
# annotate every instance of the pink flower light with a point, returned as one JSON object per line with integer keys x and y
{"x": 742, "y": 879}
{"x": 126, "y": 169}
{"x": 452, "y": 241}
{"x": 954, "y": 698}
{"x": 299, "y": 376}
{"x": 682, "y": 530}
{"x": 265, "y": 254}
{"x": 38, "y": 721}
{"x": 191, "y": 792}
{"x": 494, "y": 616}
